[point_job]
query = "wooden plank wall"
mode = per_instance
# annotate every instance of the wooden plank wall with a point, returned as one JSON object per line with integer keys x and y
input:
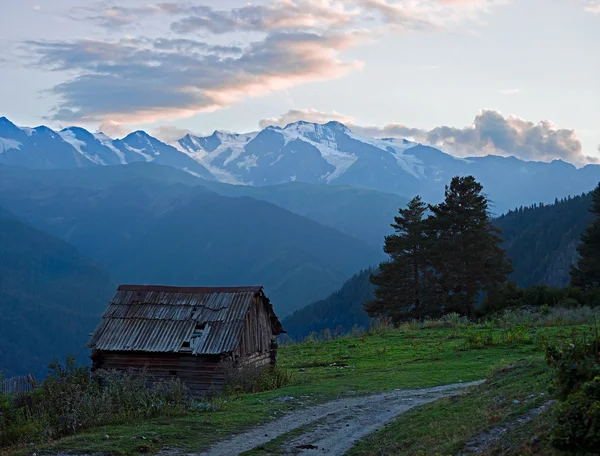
{"x": 258, "y": 334}
{"x": 199, "y": 373}
{"x": 17, "y": 385}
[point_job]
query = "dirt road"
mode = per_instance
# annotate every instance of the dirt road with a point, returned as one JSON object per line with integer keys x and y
{"x": 334, "y": 427}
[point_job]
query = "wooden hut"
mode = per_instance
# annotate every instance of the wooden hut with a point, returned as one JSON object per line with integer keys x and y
{"x": 175, "y": 332}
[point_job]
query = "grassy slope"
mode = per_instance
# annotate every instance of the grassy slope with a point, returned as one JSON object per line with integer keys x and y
{"x": 443, "y": 427}
{"x": 360, "y": 364}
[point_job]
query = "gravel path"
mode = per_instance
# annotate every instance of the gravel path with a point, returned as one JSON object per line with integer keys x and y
{"x": 347, "y": 421}
{"x": 487, "y": 439}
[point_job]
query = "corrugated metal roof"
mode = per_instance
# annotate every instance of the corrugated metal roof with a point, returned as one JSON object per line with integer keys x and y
{"x": 161, "y": 319}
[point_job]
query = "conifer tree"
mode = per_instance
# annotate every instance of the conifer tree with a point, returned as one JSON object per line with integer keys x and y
{"x": 587, "y": 271}
{"x": 402, "y": 283}
{"x": 466, "y": 251}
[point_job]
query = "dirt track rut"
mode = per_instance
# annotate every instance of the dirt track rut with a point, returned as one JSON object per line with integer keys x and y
{"x": 334, "y": 427}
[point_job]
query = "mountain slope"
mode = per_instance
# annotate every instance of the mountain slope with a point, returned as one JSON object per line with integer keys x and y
{"x": 343, "y": 308}
{"x": 164, "y": 231}
{"x": 329, "y": 154}
{"x": 361, "y": 213}
{"x": 240, "y": 241}
{"x": 51, "y": 297}
{"x": 542, "y": 240}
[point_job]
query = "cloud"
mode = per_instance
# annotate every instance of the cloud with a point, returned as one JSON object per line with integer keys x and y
{"x": 133, "y": 79}
{"x": 170, "y": 133}
{"x": 593, "y": 6}
{"x": 113, "y": 129}
{"x": 309, "y": 115}
{"x": 144, "y": 80}
{"x": 490, "y": 134}
{"x": 116, "y": 16}
{"x": 429, "y": 14}
{"x": 278, "y": 15}
{"x": 510, "y": 91}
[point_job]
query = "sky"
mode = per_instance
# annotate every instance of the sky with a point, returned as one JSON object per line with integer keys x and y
{"x": 473, "y": 77}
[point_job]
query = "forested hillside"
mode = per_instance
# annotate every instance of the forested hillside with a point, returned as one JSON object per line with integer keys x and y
{"x": 343, "y": 308}
{"x": 51, "y": 297}
{"x": 540, "y": 239}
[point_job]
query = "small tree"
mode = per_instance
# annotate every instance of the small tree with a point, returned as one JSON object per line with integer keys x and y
{"x": 466, "y": 251}
{"x": 586, "y": 273}
{"x": 402, "y": 282}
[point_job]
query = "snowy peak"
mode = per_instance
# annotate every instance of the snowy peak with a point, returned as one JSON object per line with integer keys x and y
{"x": 329, "y": 153}
{"x": 337, "y": 126}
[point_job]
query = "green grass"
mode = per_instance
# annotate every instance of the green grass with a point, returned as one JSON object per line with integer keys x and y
{"x": 360, "y": 364}
{"x": 445, "y": 426}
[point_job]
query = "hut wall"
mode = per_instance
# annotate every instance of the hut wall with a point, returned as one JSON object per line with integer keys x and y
{"x": 257, "y": 337}
{"x": 199, "y": 373}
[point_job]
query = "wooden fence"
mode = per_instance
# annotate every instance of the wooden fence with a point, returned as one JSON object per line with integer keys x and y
{"x": 18, "y": 385}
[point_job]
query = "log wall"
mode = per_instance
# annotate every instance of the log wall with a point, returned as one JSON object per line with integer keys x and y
{"x": 199, "y": 373}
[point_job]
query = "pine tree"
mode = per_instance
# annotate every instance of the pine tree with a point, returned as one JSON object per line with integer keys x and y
{"x": 466, "y": 251}
{"x": 402, "y": 283}
{"x": 587, "y": 271}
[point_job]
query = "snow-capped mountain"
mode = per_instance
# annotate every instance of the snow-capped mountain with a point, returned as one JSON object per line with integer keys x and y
{"x": 315, "y": 153}
{"x": 73, "y": 147}
{"x": 301, "y": 151}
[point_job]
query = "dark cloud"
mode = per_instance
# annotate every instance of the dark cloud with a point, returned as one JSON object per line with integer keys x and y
{"x": 490, "y": 134}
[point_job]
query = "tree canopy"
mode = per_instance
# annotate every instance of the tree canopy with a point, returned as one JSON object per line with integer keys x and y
{"x": 586, "y": 273}
{"x": 440, "y": 263}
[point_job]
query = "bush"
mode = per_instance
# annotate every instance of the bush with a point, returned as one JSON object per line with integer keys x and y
{"x": 592, "y": 297}
{"x": 577, "y": 386}
{"x": 577, "y": 428}
{"x": 252, "y": 378}
{"x": 573, "y": 364}
{"x": 70, "y": 400}
{"x": 506, "y": 296}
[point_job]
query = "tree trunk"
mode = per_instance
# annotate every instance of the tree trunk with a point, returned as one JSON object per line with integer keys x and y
{"x": 416, "y": 281}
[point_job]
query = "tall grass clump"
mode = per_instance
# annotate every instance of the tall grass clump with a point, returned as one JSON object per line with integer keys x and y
{"x": 252, "y": 378}
{"x": 70, "y": 399}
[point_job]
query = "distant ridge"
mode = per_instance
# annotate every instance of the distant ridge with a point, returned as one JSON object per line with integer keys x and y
{"x": 327, "y": 153}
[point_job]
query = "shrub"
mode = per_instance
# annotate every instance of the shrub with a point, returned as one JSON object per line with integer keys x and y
{"x": 592, "y": 297}
{"x": 576, "y": 369}
{"x": 252, "y": 378}
{"x": 577, "y": 428}
{"x": 70, "y": 400}
{"x": 573, "y": 364}
{"x": 507, "y": 295}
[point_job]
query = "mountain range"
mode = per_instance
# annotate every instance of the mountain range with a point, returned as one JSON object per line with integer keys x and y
{"x": 329, "y": 154}
{"x": 147, "y": 223}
